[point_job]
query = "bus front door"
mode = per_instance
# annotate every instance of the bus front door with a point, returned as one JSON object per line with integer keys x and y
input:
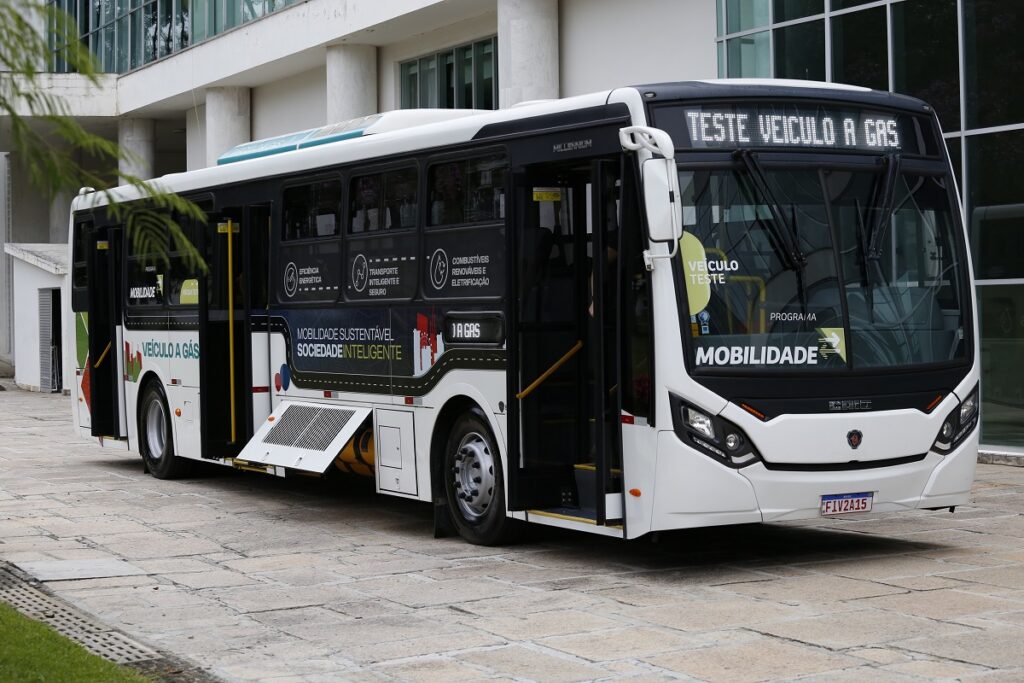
{"x": 565, "y": 447}
{"x": 105, "y": 359}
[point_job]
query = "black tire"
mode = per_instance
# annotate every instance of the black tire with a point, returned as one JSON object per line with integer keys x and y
{"x": 474, "y": 483}
{"x": 156, "y": 440}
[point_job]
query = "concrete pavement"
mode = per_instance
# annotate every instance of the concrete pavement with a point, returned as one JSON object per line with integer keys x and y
{"x": 256, "y": 578}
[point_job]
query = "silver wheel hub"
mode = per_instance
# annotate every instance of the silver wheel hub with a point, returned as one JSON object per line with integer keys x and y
{"x": 473, "y": 474}
{"x": 156, "y": 429}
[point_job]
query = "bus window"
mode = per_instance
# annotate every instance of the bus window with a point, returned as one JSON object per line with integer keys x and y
{"x": 183, "y": 275}
{"x": 79, "y": 267}
{"x": 383, "y": 201}
{"x": 312, "y": 210}
{"x": 146, "y": 273}
{"x": 471, "y": 191}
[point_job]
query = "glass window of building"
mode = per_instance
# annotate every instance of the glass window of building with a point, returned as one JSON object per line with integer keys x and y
{"x": 925, "y": 55}
{"x": 859, "y": 49}
{"x": 464, "y": 77}
{"x": 995, "y": 216}
{"x": 800, "y": 51}
{"x": 846, "y": 4}
{"x": 742, "y": 15}
{"x": 787, "y": 10}
{"x": 994, "y": 68}
{"x": 1001, "y": 317}
{"x": 995, "y": 207}
{"x": 126, "y": 34}
{"x": 749, "y": 56}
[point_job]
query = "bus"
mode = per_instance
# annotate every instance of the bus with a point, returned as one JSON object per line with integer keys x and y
{"x": 650, "y": 308}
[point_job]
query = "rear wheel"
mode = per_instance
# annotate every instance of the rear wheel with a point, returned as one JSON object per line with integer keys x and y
{"x": 155, "y": 440}
{"x": 474, "y": 482}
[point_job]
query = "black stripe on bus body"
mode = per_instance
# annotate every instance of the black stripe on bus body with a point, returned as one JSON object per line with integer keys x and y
{"x": 460, "y": 359}
{"x": 842, "y": 466}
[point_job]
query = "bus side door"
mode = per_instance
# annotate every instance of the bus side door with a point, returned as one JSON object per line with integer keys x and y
{"x": 105, "y": 360}
{"x": 565, "y": 438}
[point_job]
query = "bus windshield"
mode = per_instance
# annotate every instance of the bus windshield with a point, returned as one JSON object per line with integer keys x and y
{"x": 805, "y": 267}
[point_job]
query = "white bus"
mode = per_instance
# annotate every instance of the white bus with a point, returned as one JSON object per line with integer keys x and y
{"x": 650, "y": 308}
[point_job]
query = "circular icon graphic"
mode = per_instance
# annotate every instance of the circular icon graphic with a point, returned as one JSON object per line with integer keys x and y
{"x": 854, "y": 438}
{"x": 291, "y": 279}
{"x": 439, "y": 269}
{"x": 360, "y": 273}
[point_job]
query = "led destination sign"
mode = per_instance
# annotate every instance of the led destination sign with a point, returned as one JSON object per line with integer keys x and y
{"x": 761, "y": 125}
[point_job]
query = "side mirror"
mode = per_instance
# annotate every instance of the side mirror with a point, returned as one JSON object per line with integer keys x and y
{"x": 664, "y": 205}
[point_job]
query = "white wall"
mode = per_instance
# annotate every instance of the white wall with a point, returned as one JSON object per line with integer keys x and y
{"x": 28, "y": 281}
{"x": 458, "y": 33}
{"x": 609, "y": 43}
{"x": 290, "y": 104}
{"x": 6, "y": 288}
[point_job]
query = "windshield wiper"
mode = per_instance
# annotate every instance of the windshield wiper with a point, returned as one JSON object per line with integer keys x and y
{"x": 782, "y": 231}
{"x": 886, "y": 206}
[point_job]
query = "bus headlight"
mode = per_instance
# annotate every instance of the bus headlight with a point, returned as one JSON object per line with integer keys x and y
{"x": 712, "y": 435}
{"x": 958, "y": 426}
{"x": 700, "y": 422}
{"x": 969, "y": 407}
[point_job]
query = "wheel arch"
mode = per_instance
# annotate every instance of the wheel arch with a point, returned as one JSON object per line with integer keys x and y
{"x": 149, "y": 376}
{"x": 446, "y": 417}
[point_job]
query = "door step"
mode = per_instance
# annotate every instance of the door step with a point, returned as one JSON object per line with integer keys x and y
{"x": 586, "y": 489}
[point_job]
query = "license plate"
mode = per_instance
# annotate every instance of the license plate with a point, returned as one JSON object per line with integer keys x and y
{"x": 846, "y": 503}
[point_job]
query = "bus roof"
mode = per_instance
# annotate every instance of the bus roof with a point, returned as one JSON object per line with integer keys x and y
{"x": 405, "y": 131}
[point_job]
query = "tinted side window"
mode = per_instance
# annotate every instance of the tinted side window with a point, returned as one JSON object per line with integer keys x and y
{"x": 469, "y": 191}
{"x": 146, "y": 273}
{"x": 312, "y": 210}
{"x": 79, "y": 266}
{"x": 383, "y": 201}
{"x": 183, "y": 275}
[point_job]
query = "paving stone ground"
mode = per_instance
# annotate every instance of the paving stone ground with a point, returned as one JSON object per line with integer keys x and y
{"x": 255, "y": 578}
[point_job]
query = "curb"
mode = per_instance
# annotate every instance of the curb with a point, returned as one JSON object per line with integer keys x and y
{"x": 991, "y": 458}
{"x": 33, "y": 600}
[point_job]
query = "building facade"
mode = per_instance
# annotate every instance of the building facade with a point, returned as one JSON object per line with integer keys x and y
{"x": 188, "y": 79}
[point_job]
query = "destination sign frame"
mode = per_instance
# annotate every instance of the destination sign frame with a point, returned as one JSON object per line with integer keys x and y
{"x": 793, "y": 126}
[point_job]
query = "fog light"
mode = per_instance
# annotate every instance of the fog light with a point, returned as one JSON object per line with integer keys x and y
{"x": 733, "y": 441}
{"x": 947, "y": 430}
{"x": 700, "y": 422}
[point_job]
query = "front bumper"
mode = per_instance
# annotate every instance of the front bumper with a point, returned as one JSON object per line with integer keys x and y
{"x": 693, "y": 490}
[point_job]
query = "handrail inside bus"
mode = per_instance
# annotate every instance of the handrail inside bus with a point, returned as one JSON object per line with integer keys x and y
{"x": 102, "y": 356}
{"x": 550, "y": 371}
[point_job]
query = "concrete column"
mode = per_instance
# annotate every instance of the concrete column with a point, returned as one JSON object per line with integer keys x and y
{"x": 228, "y": 120}
{"x": 137, "y": 138}
{"x": 351, "y": 81}
{"x": 195, "y": 138}
{"x": 527, "y": 51}
{"x": 60, "y": 216}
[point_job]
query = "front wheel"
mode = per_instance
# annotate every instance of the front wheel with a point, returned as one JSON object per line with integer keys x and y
{"x": 474, "y": 483}
{"x": 155, "y": 440}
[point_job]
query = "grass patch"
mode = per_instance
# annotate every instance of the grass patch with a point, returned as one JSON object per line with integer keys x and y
{"x": 32, "y": 651}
